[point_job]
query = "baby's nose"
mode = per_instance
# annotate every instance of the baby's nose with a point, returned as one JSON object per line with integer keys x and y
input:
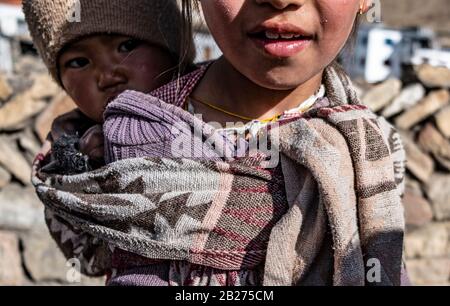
{"x": 111, "y": 78}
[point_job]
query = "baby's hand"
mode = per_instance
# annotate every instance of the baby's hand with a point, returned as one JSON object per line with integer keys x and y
{"x": 92, "y": 144}
{"x": 65, "y": 130}
{"x": 71, "y": 123}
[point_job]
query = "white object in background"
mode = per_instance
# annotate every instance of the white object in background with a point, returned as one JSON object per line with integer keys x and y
{"x": 6, "y": 64}
{"x": 206, "y": 47}
{"x": 12, "y": 20}
{"x": 380, "y": 48}
{"x": 12, "y": 23}
{"x": 439, "y": 58}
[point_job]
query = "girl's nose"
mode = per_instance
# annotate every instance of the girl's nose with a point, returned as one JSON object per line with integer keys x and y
{"x": 282, "y": 4}
{"x": 111, "y": 77}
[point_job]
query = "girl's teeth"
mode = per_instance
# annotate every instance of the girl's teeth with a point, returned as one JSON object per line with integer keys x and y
{"x": 287, "y": 36}
{"x": 272, "y": 35}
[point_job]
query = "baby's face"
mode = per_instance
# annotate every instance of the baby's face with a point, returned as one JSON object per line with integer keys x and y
{"x": 97, "y": 69}
{"x": 280, "y": 44}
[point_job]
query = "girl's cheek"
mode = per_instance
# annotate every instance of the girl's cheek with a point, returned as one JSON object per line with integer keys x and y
{"x": 339, "y": 5}
{"x": 338, "y": 12}
{"x": 338, "y": 20}
{"x": 221, "y": 14}
{"x": 228, "y": 9}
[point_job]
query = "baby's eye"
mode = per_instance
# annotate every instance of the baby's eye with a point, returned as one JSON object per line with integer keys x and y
{"x": 129, "y": 45}
{"x": 77, "y": 63}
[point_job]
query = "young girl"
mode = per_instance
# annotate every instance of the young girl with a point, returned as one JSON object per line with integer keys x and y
{"x": 328, "y": 213}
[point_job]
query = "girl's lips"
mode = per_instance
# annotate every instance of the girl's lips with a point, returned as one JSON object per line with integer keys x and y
{"x": 281, "y": 48}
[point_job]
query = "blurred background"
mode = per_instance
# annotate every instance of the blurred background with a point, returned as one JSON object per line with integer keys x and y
{"x": 401, "y": 68}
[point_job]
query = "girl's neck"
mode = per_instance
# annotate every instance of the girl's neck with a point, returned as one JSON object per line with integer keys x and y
{"x": 225, "y": 87}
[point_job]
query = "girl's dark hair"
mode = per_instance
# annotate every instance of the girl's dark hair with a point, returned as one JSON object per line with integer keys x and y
{"x": 351, "y": 42}
{"x": 346, "y": 56}
{"x": 188, "y": 8}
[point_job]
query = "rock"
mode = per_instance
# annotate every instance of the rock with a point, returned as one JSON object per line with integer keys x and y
{"x": 435, "y": 271}
{"x": 443, "y": 162}
{"x": 10, "y": 260}
{"x": 360, "y": 91}
{"x": 418, "y": 163}
{"x": 5, "y": 89}
{"x": 43, "y": 87}
{"x": 413, "y": 186}
{"x": 12, "y": 160}
{"x": 42, "y": 258}
{"x": 409, "y": 97}
{"x": 438, "y": 192}
{"x": 5, "y": 177}
{"x": 29, "y": 143}
{"x": 382, "y": 94}
{"x": 15, "y": 113}
{"x": 45, "y": 262}
{"x": 433, "y": 142}
{"x": 428, "y": 106}
{"x": 84, "y": 281}
{"x": 92, "y": 281}
{"x": 27, "y": 65}
{"x": 20, "y": 208}
{"x": 443, "y": 121}
{"x": 60, "y": 104}
{"x": 417, "y": 209}
{"x": 432, "y": 76}
{"x": 430, "y": 241}
{"x": 20, "y": 83}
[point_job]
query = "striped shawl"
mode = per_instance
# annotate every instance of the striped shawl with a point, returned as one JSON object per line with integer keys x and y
{"x": 234, "y": 213}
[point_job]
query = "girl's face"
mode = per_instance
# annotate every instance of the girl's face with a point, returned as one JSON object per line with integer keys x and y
{"x": 280, "y": 44}
{"x": 97, "y": 69}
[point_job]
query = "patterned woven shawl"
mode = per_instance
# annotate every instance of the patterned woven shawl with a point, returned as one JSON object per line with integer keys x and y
{"x": 231, "y": 214}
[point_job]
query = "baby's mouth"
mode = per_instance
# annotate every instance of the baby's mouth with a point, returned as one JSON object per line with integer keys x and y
{"x": 111, "y": 96}
{"x": 109, "y": 100}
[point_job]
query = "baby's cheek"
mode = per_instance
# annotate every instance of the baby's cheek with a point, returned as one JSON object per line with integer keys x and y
{"x": 84, "y": 94}
{"x": 151, "y": 74}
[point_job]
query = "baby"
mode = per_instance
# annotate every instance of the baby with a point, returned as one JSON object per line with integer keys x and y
{"x": 111, "y": 47}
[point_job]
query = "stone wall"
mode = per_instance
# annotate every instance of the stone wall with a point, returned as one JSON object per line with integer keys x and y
{"x": 420, "y": 109}
{"x": 402, "y": 13}
{"x": 29, "y": 100}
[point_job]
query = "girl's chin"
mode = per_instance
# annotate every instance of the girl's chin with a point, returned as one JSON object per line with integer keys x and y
{"x": 286, "y": 78}
{"x": 278, "y": 83}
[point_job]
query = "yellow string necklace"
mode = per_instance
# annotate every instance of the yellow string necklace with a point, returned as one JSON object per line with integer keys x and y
{"x": 271, "y": 119}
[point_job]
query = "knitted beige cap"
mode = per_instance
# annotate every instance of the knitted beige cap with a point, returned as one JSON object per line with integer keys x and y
{"x": 54, "y": 24}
